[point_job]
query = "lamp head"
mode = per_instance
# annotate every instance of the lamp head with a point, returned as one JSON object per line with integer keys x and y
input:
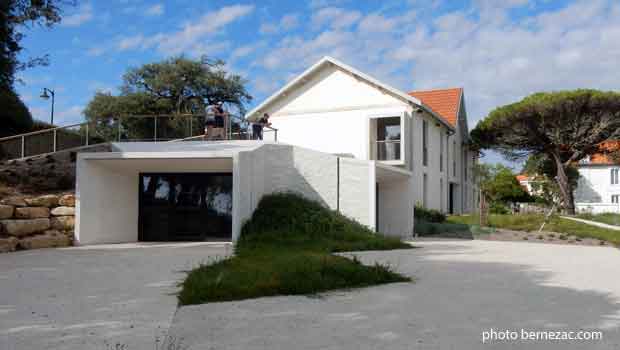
{"x": 44, "y": 95}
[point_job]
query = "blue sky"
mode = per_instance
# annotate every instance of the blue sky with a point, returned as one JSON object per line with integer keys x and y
{"x": 499, "y": 51}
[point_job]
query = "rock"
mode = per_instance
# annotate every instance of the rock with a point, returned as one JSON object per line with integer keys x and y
{"x": 8, "y": 244}
{"x": 21, "y": 228}
{"x": 63, "y": 211}
{"x": 6, "y": 211}
{"x": 68, "y": 200}
{"x": 48, "y": 200}
{"x": 14, "y": 201}
{"x": 32, "y": 212}
{"x": 49, "y": 239}
{"x": 63, "y": 223}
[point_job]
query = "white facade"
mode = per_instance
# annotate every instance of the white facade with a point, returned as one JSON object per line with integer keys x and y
{"x": 598, "y": 188}
{"x": 345, "y": 140}
{"x": 107, "y": 189}
{"x": 336, "y": 109}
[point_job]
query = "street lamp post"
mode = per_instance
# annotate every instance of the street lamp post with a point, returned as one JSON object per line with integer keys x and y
{"x": 45, "y": 96}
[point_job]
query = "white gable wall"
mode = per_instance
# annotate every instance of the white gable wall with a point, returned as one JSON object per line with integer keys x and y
{"x": 332, "y": 88}
{"x": 330, "y": 113}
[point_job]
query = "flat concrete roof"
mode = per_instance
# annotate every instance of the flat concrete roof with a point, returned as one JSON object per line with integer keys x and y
{"x": 173, "y": 150}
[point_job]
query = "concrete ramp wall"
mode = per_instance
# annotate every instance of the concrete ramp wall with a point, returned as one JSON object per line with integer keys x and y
{"x": 284, "y": 168}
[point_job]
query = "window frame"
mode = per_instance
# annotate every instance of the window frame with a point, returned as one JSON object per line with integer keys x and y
{"x": 372, "y": 131}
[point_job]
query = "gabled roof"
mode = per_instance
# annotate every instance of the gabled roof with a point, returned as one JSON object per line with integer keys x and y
{"x": 446, "y": 102}
{"x": 604, "y": 156}
{"x": 303, "y": 77}
{"x": 522, "y": 177}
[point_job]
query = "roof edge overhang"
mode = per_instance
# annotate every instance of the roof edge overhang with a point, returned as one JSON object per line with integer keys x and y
{"x": 327, "y": 60}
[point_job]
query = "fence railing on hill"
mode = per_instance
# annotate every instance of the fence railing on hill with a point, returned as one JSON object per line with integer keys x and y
{"x": 130, "y": 128}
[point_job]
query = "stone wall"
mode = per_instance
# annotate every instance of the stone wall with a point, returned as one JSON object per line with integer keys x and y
{"x": 45, "y": 173}
{"x": 44, "y": 221}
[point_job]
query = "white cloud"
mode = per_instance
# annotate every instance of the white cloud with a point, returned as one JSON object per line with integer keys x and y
{"x": 155, "y": 10}
{"x": 287, "y": 22}
{"x": 131, "y": 42}
{"x": 83, "y": 15}
{"x": 195, "y": 38}
{"x": 242, "y": 51}
{"x": 95, "y": 86}
{"x": 95, "y": 51}
{"x": 496, "y": 59}
{"x": 335, "y": 17}
{"x": 70, "y": 115}
{"x": 208, "y": 24}
{"x": 375, "y": 22}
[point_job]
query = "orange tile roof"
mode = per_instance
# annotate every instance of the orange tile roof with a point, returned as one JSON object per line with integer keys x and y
{"x": 444, "y": 102}
{"x": 603, "y": 157}
{"x": 522, "y": 177}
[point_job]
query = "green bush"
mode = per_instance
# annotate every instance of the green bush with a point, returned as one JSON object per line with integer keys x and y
{"x": 428, "y": 215}
{"x": 498, "y": 208}
{"x": 285, "y": 248}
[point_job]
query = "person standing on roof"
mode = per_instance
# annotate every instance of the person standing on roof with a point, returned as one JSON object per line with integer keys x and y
{"x": 257, "y": 128}
{"x": 219, "y": 122}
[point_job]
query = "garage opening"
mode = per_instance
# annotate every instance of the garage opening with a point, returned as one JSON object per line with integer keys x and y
{"x": 185, "y": 207}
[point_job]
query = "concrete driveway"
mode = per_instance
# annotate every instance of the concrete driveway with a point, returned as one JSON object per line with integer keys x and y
{"x": 93, "y": 298}
{"x": 463, "y": 288}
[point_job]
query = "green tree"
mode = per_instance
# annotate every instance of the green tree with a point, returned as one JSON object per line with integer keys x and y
{"x": 16, "y": 15}
{"x": 543, "y": 172}
{"x": 176, "y": 85}
{"x": 563, "y": 126}
{"x": 14, "y": 114}
{"x": 499, "y": 185}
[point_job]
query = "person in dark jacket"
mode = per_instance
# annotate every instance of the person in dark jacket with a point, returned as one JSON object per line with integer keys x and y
{"x": 219, "y": 122}
{"x": 257, "y": 128}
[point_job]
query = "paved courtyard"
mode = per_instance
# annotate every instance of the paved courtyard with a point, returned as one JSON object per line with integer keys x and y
{"x": 79, "y": 298}
{"x": 89, "y": 298}
{"x": 463, "y": 288}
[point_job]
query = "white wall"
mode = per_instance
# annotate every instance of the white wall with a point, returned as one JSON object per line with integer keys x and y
{"x": 396, "y": 208}
{"x": 107, "y": 193}
{"x": 285, "y": 168}
{"x": 330, "y": 113}
{"x": 594, "y": 188}
{"x": 329, "y": 89}
{"x": 357, "y": 191}
{"x": 106, "y": 205}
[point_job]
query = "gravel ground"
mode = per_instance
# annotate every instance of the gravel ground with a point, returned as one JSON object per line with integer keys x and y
{"x": 93, "y": 297}
{"x": 462, "y": 289}
{"x": 541, "y": 237}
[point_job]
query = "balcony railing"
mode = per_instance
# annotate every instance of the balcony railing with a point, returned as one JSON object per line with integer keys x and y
{"x": 131, "y": 128}
{"x": 388, "y": 150}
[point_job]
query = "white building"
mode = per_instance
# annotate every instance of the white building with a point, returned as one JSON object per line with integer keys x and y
{"x": 344, "y": 139}
{"x": 334, "y": 108}
{"x": 598, "y": 188}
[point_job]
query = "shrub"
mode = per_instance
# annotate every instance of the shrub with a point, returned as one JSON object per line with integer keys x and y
{"x": 285, "y": 248}
{"x": 498, "y": 208}
{"x": 428, "y": 215}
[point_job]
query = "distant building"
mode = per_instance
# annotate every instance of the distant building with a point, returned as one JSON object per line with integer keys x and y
{"x": 598, "y": 189}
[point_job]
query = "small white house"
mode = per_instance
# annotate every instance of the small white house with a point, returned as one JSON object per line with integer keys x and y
{"x": 346, "y": 140}
{"x": 598, "y": 187}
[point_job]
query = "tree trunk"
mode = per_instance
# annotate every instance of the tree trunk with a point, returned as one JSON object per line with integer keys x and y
{"x": 484, "y": 213}
{"x": 565, "y": 188}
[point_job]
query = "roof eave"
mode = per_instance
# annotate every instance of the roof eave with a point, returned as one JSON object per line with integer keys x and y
{"x": 330, "y": 60}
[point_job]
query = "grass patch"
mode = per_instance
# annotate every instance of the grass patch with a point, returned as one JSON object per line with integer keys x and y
{"x": 532, "y": 222}
{"x": 450, "y": 229}
{"x": 284, "y": 249}
{"x": 605, "y": 218}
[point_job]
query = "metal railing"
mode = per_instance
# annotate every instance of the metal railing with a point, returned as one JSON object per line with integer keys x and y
{"x": 130, "y": 128}
{"x": 388, "y": 150}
